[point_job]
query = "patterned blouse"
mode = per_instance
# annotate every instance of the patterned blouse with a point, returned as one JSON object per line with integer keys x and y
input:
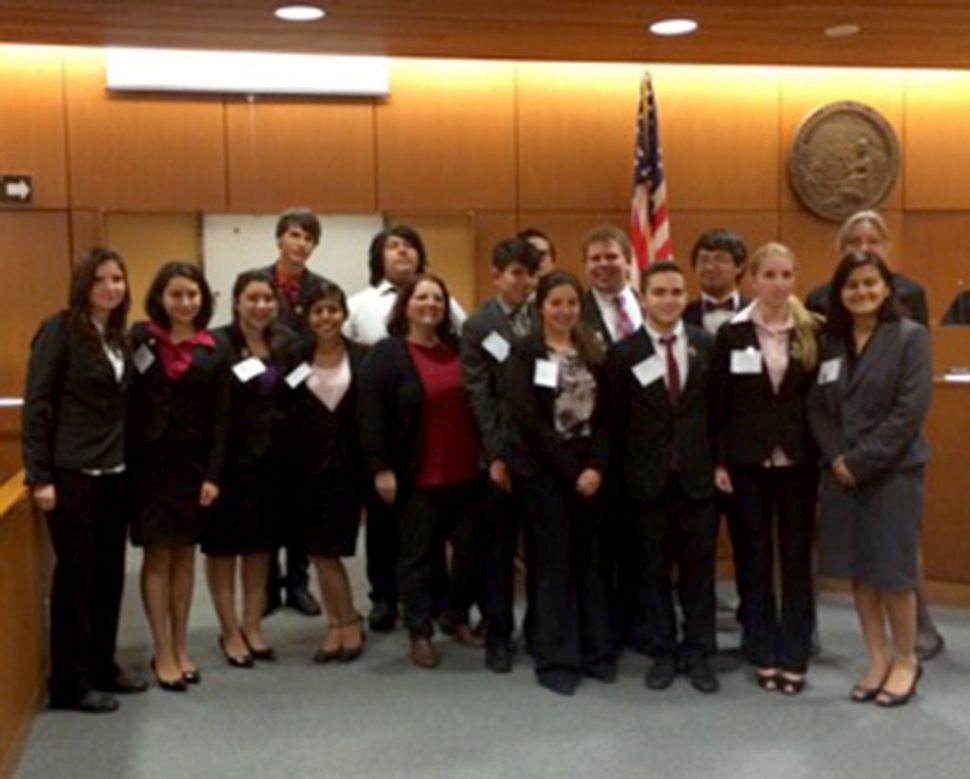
{"x": 575, "y": 396}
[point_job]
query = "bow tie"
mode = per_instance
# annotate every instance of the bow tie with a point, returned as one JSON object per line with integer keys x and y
{"x": 724, "y": 305}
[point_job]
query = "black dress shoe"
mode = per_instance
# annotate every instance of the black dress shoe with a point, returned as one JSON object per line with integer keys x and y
{"x": 662, "y": 672}
{"x": 90, "y": 702}
{"x": 558, "y": 680}
{"x": 603, "y": 671}
{"x": 236, "y": 661}
{"x": 383, "y": 616}
{"x": 121, "y": 683}
{"x": 929, "y": 647}
{"x": 300, "y": 600}
{"x": 498, "y": 658}
{"x": 701, "y": 676}
{"x": 169, "y": 685}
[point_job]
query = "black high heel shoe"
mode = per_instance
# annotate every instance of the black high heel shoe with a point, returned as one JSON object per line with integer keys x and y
{"x": 174, "y": 685}
{"x": 268, "y": 653}
{"x": 890, "y": 700}
{"x": 352, "y": 652}
{"x": 192, "y": 677}
{"x": 236, "y": 661}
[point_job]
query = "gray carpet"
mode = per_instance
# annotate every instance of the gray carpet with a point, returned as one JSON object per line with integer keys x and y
{"x": 380, "y": 717}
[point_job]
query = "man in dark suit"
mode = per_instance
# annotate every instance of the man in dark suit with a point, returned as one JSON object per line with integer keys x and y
{"x": 658, "y": 389}
{"x": 297, "y": 235}
{"x": 610, "y": 307}
{"x": 486, "y": 338}
{"x": 719, "y": 258}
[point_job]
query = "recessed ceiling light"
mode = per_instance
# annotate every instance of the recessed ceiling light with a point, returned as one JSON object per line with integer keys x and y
{"x": 673, "y": 27}
{"x": 299, "y": 13}
{"x": 842, "y": 30}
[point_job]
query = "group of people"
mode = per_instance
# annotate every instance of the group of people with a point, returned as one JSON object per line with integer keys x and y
{"x": 610, "y": 427}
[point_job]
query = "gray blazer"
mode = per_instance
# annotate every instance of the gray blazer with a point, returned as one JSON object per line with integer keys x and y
{"x": 874, "y": 414}
{"x": 484, "y": 375}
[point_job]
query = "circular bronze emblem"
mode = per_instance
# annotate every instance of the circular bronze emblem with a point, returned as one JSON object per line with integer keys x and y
{"x": 844, "y": 158}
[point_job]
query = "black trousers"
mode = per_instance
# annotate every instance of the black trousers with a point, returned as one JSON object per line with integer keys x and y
{"x": 428, "y": 519}
{"x": 572, "y": 627}
{"x": 675, "y": 530}
{"x": 383, "y": 546}
{"x": 782, "y": 501}
{"x": 88, "y": 532}
{"x": 503, "y": 523}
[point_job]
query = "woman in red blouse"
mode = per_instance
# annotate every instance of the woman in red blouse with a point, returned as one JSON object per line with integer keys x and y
{"x": 420, "y": 442}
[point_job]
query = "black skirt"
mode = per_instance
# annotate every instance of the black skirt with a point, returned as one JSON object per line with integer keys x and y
{"x": 247, "y": 517}
{"x": 329, "y": 516}
{"x": 164, "y": 493}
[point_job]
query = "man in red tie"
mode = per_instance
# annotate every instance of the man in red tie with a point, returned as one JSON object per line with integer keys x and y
{"x": 610, "y": 307}
{"x": 658, "y": 388}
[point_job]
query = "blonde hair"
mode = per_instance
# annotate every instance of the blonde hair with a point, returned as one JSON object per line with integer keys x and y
{"x": 807, "y": 324}
{"x": 872, "y": 217}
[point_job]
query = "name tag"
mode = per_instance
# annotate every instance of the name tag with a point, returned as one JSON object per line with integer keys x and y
{"x": 298, "y": 375}
{"x": 649, "y": 370}
{"x": 830, "y": 370}
{"x": 746, "y": 361}
{"x": 248, "y": 369}
{"x": 546, "y": 374}
{"x": 143, "y": 358}
{"x": 496, "y": 346}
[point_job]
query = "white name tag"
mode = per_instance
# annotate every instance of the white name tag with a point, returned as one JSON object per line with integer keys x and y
{"x": 246, "y": 370}
{"x": 496, "y": 346}
{"x": 143, "y": 358}
{"x": 547, "y": 374}
{"x": 830, "y": 370}
{"x": 298, "y": 375}
{"x": 746, "y": 361}
{"x": 649, "y": 370}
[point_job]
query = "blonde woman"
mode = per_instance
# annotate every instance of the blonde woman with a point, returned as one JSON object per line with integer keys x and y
{"x": 765, "y": 363}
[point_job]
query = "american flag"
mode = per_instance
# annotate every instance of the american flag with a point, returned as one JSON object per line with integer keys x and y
{"x": 649, "y": 227}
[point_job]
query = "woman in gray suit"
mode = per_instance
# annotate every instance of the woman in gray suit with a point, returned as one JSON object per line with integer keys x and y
{"x": 866, "y": 411}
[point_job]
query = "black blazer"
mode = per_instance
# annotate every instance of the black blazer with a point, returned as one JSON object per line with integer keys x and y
{"x": 694, "y": 313}
{"x": 910, "y": 297}
{"x": 749, "y": 419}
{"x": 593, "y": 317}
{"x": 534, "y": 445}
{"x": 325, "y": 443}
{"x": 293, "y": 317}
{"x": 390, "y": 402}
{"x": 648, "y": 434}
{"x": 74, "y": 408}
{"x": 191, "y": 413}
{"x": 484, "y": 375}
{"x": 257, "y": 423}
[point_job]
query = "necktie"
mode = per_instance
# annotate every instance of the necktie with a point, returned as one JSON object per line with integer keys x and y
{"x": 723, "y": 305}
{"x": 673, "y": 371}
{"x": 519, "y": 321}
{"x": 624, "y": 325}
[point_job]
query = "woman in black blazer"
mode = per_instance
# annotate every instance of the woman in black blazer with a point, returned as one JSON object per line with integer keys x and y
{"x": 420, "y": 443}
{"x": 245, "y": 521}
{"x": 764, "y": 365}
{"x": 74, "y": 458}
{"x": 178, "y": 419}
{"x": 867, "y": 412}
{"x": 559, "y": 449}
{"x": 330, "y": 482}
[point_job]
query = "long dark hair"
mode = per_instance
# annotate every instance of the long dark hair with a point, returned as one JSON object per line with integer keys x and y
{"x": 397, "y": 320}
{"x": 173, "y": 270}
{"x": 839, "y": 323}
{"x": 275, "y": 333}
{"x": 589, "y": 346}
{"x": 83, "y": 279}
{"x": 376, "y": 251}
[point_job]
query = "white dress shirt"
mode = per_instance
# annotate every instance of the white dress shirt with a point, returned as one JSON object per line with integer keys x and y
{"x": 368, "y": 311}
{"x": 713, "y": 320}
{"x": 610, "y": 314}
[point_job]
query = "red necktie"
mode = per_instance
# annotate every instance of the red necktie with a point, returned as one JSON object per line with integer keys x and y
{"x": 624, "y": 325}
{"x": 673, "y": 371}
